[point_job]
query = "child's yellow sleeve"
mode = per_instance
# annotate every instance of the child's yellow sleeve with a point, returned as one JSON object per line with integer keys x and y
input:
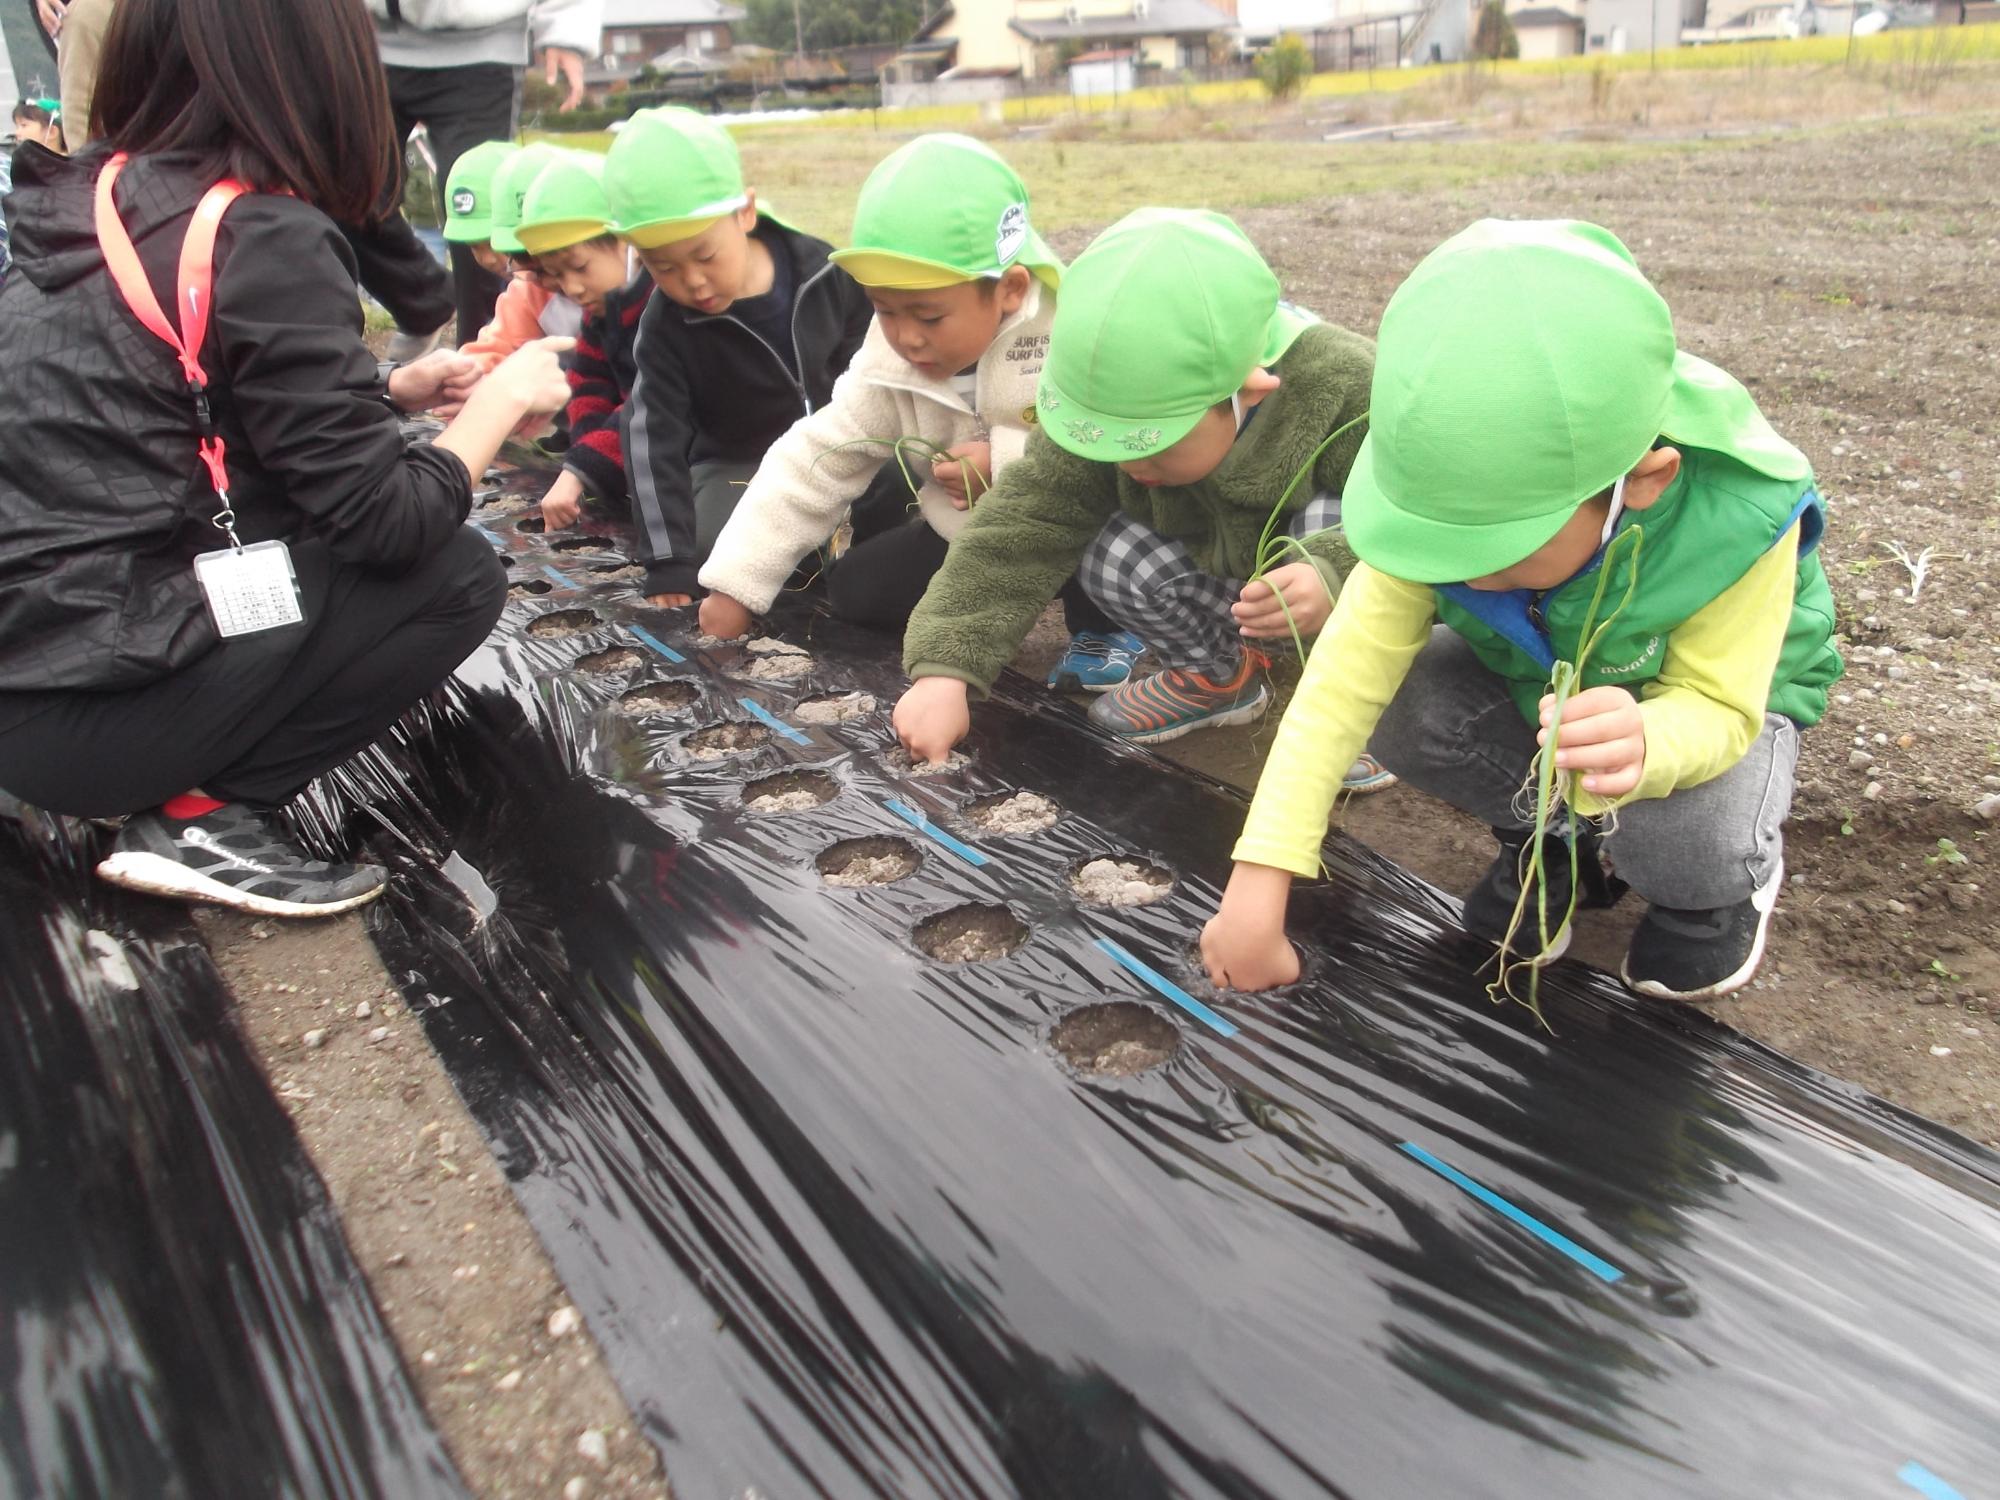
{"x": 1360, "y": 659}
{"x": 1706, "y": 708}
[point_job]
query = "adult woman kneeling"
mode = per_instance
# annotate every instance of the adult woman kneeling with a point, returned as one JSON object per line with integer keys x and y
{"x": 149, "y": 666}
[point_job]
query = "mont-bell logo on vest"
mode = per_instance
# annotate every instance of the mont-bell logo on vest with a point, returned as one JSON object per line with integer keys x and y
{"x": 463, "y": 202}
{"x": 1012, "y": 230}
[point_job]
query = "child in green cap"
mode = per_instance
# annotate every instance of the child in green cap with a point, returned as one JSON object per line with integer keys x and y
{"x": 1530, "y": 412}
{"x": 1180, "y": 399}
{"x": 533, "y": 305}
{"x": 565, "y": 225}
{"x": 468, "y": 202}
{"x": 964, "y": 291}
{"x": 751, "y": 328}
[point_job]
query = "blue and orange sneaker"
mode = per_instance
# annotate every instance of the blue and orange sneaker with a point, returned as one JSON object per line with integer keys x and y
{"x": 1097, "y": 661}
{"x": 1173, "y": 702}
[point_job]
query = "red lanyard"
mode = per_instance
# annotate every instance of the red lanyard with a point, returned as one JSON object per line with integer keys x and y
{"x": 197, "y": 276}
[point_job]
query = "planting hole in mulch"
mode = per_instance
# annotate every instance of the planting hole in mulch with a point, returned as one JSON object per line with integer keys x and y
{"x": 527, "y": 588}
{"x": 1119, "y": 1038}
{"x": 875, "y": 860}
{"x": 558, "y": 623}
{"x": 612, "y": 662}
{"x": 901, "y": 763}
{"x": 653, "y": 698}
{"x": 970, "y": 934}
{"x": 780, "y": 667}
{"x": 719, "y": 741}
{"x": 790, "y": 791}
{"x": 1120, "y": 882}
{"x": 579, "y": 544}
{"x": 1012, "y": 812}
{"x": 618, "y": 572}
{"x": 534, "y": 525}
{"x": 834, "y": 708}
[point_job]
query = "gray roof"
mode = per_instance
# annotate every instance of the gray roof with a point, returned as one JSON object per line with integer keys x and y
{"x": 669, "y": 12}
{"x": 1546, "y": 15}
{"x": 1162, "y": 18}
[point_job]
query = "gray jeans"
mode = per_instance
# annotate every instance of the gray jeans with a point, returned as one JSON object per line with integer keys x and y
{"x": 717, "y": 488}
{"x": 1454, "y": 732}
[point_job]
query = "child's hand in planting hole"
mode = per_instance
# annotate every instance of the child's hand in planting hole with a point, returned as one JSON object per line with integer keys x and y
{"x": 563, "y": 503}
{"x": 950, "y": 472}
{"x": 1305, "y": 606}
{"x": 932, "y": 717}
{"x": 670, "y": 601}
{"x": 1603, "y": 738}
{"x": 1244, "y": 946}
{"x": 724, "y": 618}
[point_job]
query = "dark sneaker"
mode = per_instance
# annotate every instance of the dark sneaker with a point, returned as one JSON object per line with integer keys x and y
{"x": 1701, "y": 955}
{"x": 1489, "y": 909}
{"x": 1173, "y": 702}
{"x": 1097, "y": 661}
{"x": 236, "y": 857}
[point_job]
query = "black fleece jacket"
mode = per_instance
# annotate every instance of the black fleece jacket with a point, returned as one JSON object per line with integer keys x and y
{"x": 710, "y": 390}
{"x": 103, "y": 500}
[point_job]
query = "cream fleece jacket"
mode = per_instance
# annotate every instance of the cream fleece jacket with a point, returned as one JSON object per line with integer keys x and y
{"x": 807, "y": 479}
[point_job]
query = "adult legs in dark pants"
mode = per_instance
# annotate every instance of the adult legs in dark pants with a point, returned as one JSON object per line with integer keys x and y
{"x": 460, "y": 107}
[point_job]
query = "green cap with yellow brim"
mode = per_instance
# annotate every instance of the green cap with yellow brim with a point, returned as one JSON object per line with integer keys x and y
{"x": 469, "y": 192}
{"x": 1520, "y": 370}
{"x": 1164, "y": 316}
{"x": 940, "y": 210}
{"x": 565, "y": 204}
{"x": 670, "y": 174}
{"x": 510, "y": 193}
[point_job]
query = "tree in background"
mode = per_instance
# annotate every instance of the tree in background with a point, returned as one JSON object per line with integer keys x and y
{"x": 1285, "y": 66}
{"x": 1494, "y": 37}
{"x": 831, "y": 23}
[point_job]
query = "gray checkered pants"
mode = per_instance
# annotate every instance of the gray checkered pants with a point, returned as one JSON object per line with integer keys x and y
{"x": 1153, "y": 587}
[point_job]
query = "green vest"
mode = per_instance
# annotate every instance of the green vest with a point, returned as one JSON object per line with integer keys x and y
{"x": 1715, "y": 520}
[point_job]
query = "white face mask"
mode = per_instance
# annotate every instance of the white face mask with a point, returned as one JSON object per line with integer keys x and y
{"x": 1236, "y": 408}
{"x": 1617, "y": 510}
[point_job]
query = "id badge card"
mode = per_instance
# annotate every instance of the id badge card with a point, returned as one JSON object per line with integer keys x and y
{"x": 251, "y": 590}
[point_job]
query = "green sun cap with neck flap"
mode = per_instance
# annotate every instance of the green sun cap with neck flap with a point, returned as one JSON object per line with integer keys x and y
{"x": 670, "y": 174}
{"x": 1164, "y": 316}
{"x": 1520, "y": 370}
{"x": 565, "y": 204}
{"x": 468, "y": 192}
{"x": 940, "y": 210}
{"x": 510, "y": 194}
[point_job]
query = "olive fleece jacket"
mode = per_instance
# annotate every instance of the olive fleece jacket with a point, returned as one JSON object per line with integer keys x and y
{"x": 1029, "y": 532}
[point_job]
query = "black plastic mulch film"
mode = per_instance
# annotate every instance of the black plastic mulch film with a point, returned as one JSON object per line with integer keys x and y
{"x": 847, "y": 1223}
{"x": 179, "y": 1315}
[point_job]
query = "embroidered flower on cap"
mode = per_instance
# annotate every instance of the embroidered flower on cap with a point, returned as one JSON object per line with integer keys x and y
{"x": 1141, "y": 439}
{"x": 1084, "y": 432}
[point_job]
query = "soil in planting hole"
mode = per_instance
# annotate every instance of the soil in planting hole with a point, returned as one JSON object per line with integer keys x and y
{"x": 1012, "y": 812}
{"x": 534, "y": 525}
{"x": 1120, "y": 882}
{"x": 790, "y": 791}
{"x": 579, "y": 544}
{"x": 875, "y": 860}
{"x": 901, "y": 763}
{"x": 558, "y": 623}
{"x": 657, "y": 698}
{"x": 781, "y": 667}
{"x": 618, "y": 572}
{"x": 527, "y": 588}
{"x": 834, "y": 708}
{"x": 1120, "y": 1038}
{"x": 610, "y": 662}
{"x": 970, "y": 934}
{"x": 720, "y": 740}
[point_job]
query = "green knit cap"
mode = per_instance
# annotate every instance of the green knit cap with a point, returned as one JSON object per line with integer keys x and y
{"x": 1520, "y": 370}
{"x": 565, "y": 204}
{"x": 510, "y": 193}
{"x": 468, "y": 192}
{"x": 1163, "y": 317}
{"x": 940, "y": 210}
{"x": 670, "y": 174}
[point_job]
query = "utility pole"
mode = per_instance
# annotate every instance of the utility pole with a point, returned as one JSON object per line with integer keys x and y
{"x": 798, "y": 32}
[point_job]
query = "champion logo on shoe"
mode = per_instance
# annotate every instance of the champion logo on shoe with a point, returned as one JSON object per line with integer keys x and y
{"x": 201, "y": 838}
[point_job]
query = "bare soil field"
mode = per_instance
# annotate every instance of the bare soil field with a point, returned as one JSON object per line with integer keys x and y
{"x": 1847, "y": 274}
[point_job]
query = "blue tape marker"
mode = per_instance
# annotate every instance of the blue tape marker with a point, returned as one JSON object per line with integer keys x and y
{"x": 656, "y": 643}
{"x": 562, "y": 579}
{"x": 772, "y": 722}
{"x": 926, "y": 827}
{"x": 1218, "y": 1024}
{"x": 495, "y": 540}
{"x": 1925, "y": 1483}
{"x": 1596, "y": 1265}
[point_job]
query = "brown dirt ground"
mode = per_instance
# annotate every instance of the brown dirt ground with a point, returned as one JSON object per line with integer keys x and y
{"x": 1847, "y": 275}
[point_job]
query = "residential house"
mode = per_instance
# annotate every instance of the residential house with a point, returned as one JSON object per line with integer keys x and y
{"x": 636, "y": 31}
{"x": 1546, "y": 31}
{"x": 1108, "y": 71}
{"x": 1029, "y": 39}
{"x": 1616, "y": 26}
{"x": 1361, "y": 33}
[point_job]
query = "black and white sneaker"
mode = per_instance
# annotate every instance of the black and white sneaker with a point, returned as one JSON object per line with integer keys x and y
{"x": 234, "y": 856}
{"x": 1702, "y": 955}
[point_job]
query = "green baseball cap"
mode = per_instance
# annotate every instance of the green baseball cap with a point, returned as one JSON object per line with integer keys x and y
{"x": 565, "y": 204}
{"x": 510, "y": 193}
{"x": 940, "y": 210}
{"x": 1520, "y": 370}
{"x": 670, "y": 174}
{"x": 1164, "y": 316}
{"x": 468, "y": 192}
